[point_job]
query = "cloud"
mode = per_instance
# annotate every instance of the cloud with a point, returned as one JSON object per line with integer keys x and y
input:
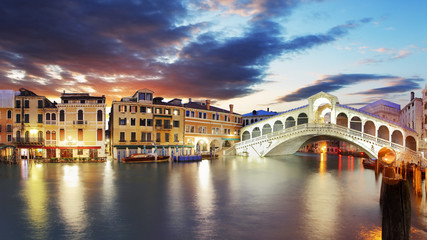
{"x": 335, "y": 82}
{"x": 118, "y": 46}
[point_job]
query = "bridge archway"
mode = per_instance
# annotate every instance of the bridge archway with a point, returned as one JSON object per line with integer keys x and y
{"x": 256, "y": 132}
{"x": 397, "y": 137}
{"x": 302, "y": 119}
{"x": 278, "y": 125}
{"x": 342, "y": 120}
{"x": 290, "y": 122}
{"x": 383, "y": 133}
{"x": 246, "y": 136}
{"x": 266, "y": 129}
{"x": 322, "y": 110}
{"x": 356, "y": 123}
{"x": 369, "y": 128}
{"x": 411, "y": 143}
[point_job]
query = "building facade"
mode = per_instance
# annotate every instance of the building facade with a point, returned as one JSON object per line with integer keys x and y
{"x": 144, "y": 124}
{"x": 211, "y": 128}
{"x": 384, "y": 109}
{"x": 81, "y": 126}
{"x": 6, "y": 116}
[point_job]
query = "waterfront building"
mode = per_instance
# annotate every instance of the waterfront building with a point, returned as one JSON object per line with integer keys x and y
{"x": 411, "y": 115}
{"x": 208, "y": 126}
{"x": 144, "y": 124}
{"x": 6, "y": 116}
{"x": 257, "y": 115}
{"x": 29, "y": 128}
{"x": 384, "y": 109}
{"x": 80, "y": 126}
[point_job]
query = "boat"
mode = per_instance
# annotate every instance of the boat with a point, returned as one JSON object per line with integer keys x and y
{"x": 142, "y": 157}
{"x": 370, "y": 163}
{"x": 188, "y": 158}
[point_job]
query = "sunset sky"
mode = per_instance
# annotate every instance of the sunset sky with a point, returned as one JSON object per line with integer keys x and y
{"x": 252, "y": 53}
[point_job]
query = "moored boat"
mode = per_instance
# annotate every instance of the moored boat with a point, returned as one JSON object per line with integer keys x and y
{"x": 370, "y": 163}
{"x": 142, "y": 157}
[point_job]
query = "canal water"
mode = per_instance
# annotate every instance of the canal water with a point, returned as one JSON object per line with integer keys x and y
{"x": 289, "y": 197}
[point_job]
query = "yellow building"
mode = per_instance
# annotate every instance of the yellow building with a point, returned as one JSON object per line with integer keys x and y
{"x": 28, "y": 130}
{"x": 80, "y": 126}
{"x": 141, "y": 123}
{"x": 208, "y": 127}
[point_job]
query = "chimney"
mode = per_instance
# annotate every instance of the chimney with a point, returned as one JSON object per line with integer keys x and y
{"x": 189, "y": 100}
{"x": 412, "y": 96}
{"x": 231, "y": 108}
{"x": 208, "y": 104}
{"x": 268, "y": 109}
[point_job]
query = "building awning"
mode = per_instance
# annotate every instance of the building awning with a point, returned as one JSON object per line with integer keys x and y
{"x": 231, "y": 139}
{"x": 79, "y": 147}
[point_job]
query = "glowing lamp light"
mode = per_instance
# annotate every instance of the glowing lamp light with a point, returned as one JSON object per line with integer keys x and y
{"x": 387, "y": 155}
{"x": 33, "y": 131}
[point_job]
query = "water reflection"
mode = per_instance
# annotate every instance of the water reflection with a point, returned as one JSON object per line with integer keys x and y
{"x": 36, "y": 199}
{"x": 71, "y": 201}
{"x": 205, "y": 201}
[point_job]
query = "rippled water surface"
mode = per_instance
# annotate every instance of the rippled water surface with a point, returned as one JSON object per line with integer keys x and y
{"x": 290, "y": 197}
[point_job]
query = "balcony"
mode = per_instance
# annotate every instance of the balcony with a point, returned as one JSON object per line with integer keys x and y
{"x": 164, "y": 127}
{"x": 28, "y": 141}
{"x": 51, "y": 142}
{"x": 50, "y": 122}
{"x": 80, "y": 122}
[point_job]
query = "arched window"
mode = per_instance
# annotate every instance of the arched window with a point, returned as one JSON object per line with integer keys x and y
{"x": 47, "y": 135}
{"x": 18, "y": 136}
{"x": 278, "y": 125}
{"x": 80, "y": 115}
{"x": 61, "y": 115}
{"x": 356, "y": 123}
{"x": 246, "y": 136}
{"x": 53, "y": 135}
{"x": 411, "y": 143}
{"x": 53, "y": 116}
{"x": 290, "y": 122}
{"x": 27, "y": 136}
{"x": 47, "y": 116}
{"x": 99, "y": 115}
{"x": 302, "y": 119}
{"x": 342, "y": 120}
{"x": 256, "y": 132}
{"x": 397, "y": 137}
{"x": 369, "y": 128}
{"x": 383, "y": 133}
{"x": 40, "y": 136}
{"x": 9, "y": 114}
{"x": 266, "y": 129}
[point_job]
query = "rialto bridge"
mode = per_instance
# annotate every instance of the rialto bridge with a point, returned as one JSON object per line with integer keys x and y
{"x": 325, "y": 118}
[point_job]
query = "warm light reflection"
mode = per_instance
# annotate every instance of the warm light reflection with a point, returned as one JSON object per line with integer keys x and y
{"x": 322, "y": 165}
{"x": 71, "y": 200}
{"x": 205, "y": 198}
{"x": 108, "y": 187}
{"x": 370, "y": 234}
{"x": 37, "y": 201}
{"x": 24, "y": 169}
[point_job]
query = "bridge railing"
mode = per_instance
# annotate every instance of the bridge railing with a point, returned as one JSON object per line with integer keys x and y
{"x": 341, "y": 129}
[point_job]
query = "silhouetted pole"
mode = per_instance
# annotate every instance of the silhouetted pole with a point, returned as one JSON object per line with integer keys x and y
{"x": 395, "y": 200}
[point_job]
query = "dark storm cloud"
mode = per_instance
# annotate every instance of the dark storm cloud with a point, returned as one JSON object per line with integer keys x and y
{"x": 101, "y": 39}
{"x": 336, "y": 82}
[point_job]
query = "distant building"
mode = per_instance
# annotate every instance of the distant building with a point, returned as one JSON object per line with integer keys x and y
{"x": 6, "y": 116}
{"x": 257, "y": 115}
{"x": 412, "y": 114}
{"x": 208, "y": 127}
{"x": 385, "y": 109}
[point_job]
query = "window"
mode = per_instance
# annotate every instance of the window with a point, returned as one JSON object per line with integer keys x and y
{"x": 176, "y": 124}
{"x": 61, "y": 134}
{"x": 142, "y": 122}
{"x": 18, "y": 136}
{"x": 201, "y": 129}
{"x": 141, "y": 96}
{"x": 149, "y": 122}
{"x": 192, "y": 114}
{"x": 132, "y": 121}
{"x": 158, "y": 137}
{"x": 142, "y": 109}
{"x": 158, "y": 122}
{"x": 167, "y": 111}
{"x": 40, "y": 118}
{"x": 18, "y": 104}
{"x": 100, "y": 101}
{"x": 40, "y": 104}
{"x": 80, "y": 115}
{"x": 27, "y": 104}
{"x": 80, "y": 134}
{"x": 99, "y": 116}
{"x": 187, "y": 113}
{"x": 18, "y": 118}
{"x": 47, "y": 135}
{"x": 8, "y": 128}
{"x": 122, "y": 108}
{"x": 189, "y": 129}
{"x": 204, "y": 115}
{"x": 148, "y": 110}
{"x": 65, "y": 101}
{"x": 99, "y": 134}
{"x": 47, "y": 116}
{"x": 122, "y": 121}
{"x": 145, "y": 137}
{"x": 122, "y": 137}
{"x": 82, "y": 101}
{"x": 9, "y": 138}
{"x": 167, "y": 124}
{"x": 79, "y": 151}
{"x": 26, "y": 118}
{"x": 0, "y": 130}
{"x": 133, "y": 136}
{"x": 40, "y": 136}
{"x": 61, "y": 115}
{"x": 149, "y": 137}
{"x": 132, "y": 109}
{"x": 175, "y": 112}
{"x": 175, "y": 137}
{"x": 225, "y": 118}
{"x": 9, "y": 114}
{"x": 158, "y": 111}
{"x": 166, "y": 137}
{"x": 226, "y": 131}
{"x": 200, "y": 114}
{"x": 53, "y": 135}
